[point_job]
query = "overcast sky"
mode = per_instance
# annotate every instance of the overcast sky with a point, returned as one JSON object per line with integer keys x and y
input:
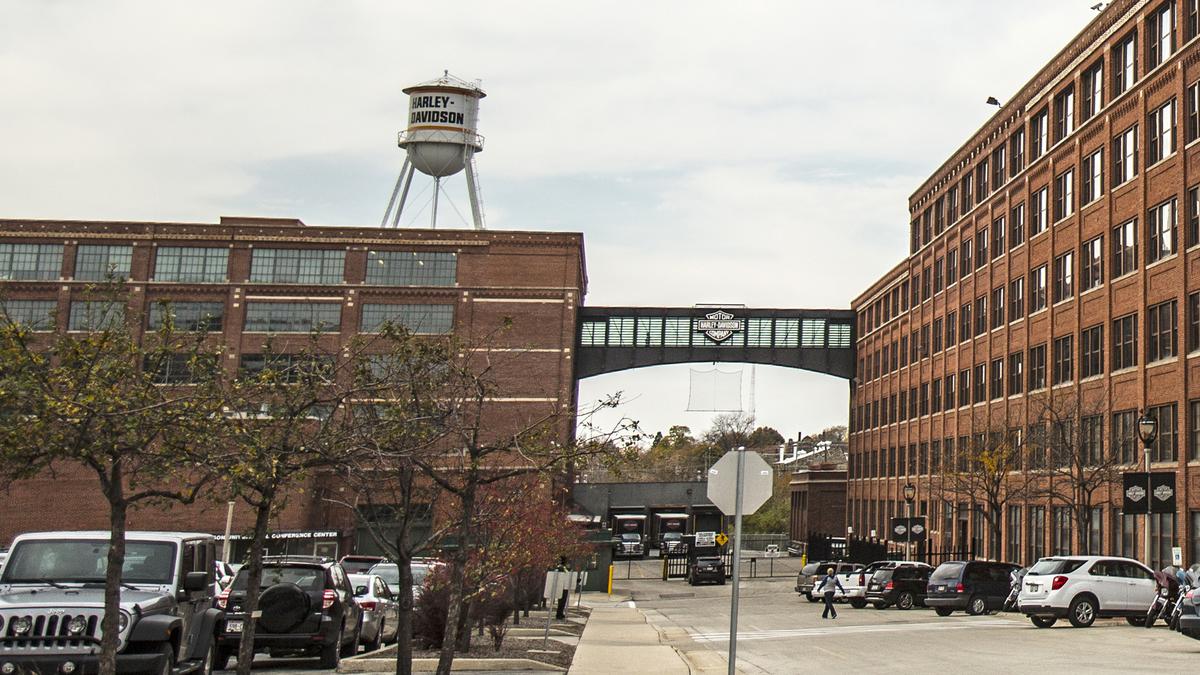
{"x": 759, "y": 153}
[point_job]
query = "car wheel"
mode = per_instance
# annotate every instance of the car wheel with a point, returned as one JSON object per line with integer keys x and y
{"x": 375, "y": 644}
{"x": 943, "y": 611}
{"x": 1043, "y": 621}
{"x": 168, "y": 660}
{"x": 977, "y": 606}
{"x": 1135, "y": 620}
{"x": 1082, "y": 612}
{"x": 904, "y": 601}
{"x": 351, "y": 647}
{"x": 858, "y": 603}
{"x": 331, "y": 653}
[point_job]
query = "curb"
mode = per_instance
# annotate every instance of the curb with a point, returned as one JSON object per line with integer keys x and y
{"x": 360, "y": 664}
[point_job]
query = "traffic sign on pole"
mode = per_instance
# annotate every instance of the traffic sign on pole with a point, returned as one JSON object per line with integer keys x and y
{"x": 722, "y": 483}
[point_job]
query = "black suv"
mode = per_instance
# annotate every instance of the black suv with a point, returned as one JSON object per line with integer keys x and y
{"x": 307, "y": 607}
{"x": 706, "y": 568}
{"x": 902, "y": 585}
{"x": 974, "y": 586}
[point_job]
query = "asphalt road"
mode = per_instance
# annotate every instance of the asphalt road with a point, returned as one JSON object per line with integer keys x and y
{"x": 780, "y": 632}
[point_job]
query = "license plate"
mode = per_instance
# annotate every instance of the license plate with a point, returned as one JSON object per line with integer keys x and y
{"x": 233, "y": 627}
{"x": 1031, "y": 587}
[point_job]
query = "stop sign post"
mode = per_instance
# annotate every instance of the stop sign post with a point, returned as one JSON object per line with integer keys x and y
{"x": 738, "y": 483}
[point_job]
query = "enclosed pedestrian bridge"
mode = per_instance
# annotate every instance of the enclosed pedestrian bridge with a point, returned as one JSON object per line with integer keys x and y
{"x": 620, "y": 338}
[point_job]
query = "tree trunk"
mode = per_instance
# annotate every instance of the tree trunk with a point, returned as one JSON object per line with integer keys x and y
{"x": 262, "y": 519}
{"x": 458, "y": 574}
{"x": 110, "y": 624}
{"x": 405, "y": 595}
{"x": 462, "y": 634}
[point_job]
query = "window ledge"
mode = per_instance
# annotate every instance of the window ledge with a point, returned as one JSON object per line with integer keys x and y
{"x": 1093, "y": 289}
{"x": 1161, "y": 161}
{"x": 1063, "y": 301}
{"x": 1065, "y": 218}
{"x": 1124, "y": 276}
{"x": 1092, "y": 378}
{"x": 1036, "y": 312}
{"x": 1162, "y": 362}
{"x": 1015, "y": 321}
{"x": 1060, "y": 385}
{"x": 1013, "y": 397}
{"x": 1035, "y": 236}
{"x": 1123, "y": 371}
{"x": 1124, "y": 186}
{"x": 1164, "y": 259}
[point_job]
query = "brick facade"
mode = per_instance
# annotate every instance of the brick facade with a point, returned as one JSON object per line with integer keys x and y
{"x": 818, "y": 497}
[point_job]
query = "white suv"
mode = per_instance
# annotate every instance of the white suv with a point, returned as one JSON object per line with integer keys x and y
{"x": 1084, "y": 588}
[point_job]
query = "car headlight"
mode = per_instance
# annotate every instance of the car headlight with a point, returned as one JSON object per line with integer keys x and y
{"x": 21, "y": 625}
{"x": 122, "y": 622}
{"x": 77, "y": 625}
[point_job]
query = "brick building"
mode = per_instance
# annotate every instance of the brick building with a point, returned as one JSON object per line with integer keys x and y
{"x": 818, "y": 495}
{"x": 264, "y": 278}
{"x": 1054, "y": 258}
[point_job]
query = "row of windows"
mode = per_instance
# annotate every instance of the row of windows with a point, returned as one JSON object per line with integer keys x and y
{"x": 197, "y": 264}
{"x": 680, "y": 331}
{"x": 261, "y": 317}
{"x": 1056, "y": 120}
{"x": 1059, "y": 281}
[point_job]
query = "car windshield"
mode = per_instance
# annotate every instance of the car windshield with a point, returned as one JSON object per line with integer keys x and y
{"x": 390, "y": 572}
{"x": 884, "y": 574}
{"x": 308, "y": 578}
{"x": 947, "y": 572}
{"x": 1055, "y": 566}
{"x": 811, "y": 568}
{"x": 708, "y": 561}
{"x": 628, "y": 536}
{"x": 672, "y": 535}
{"x": 146, "y": 562}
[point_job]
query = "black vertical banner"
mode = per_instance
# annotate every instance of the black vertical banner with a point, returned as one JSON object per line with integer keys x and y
{"x": 1162, "y": 492}
{"x": 1135, "y": 495}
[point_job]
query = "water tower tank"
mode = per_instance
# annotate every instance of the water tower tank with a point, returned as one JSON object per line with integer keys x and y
{"x": 442, "y": 118}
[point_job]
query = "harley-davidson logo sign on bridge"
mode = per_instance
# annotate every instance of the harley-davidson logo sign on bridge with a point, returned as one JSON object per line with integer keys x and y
{"x": 719, "y": 325}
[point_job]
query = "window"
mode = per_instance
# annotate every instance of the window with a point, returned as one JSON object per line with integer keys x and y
{"x": 1093, "y": 177}
{"x": 297, "y": 266}
{"x": 968, "y": 200}
{"x": 1193, "y": 322}
{"x": 951, "y": 329}
{"x": 939, "y": 275}
{"x": 95, "y": 315}
{"x": 1091, "y": 261}
{"x": 981, "y": 179}
{"x": 1064, "y": 113}
{"x": 1063, "y": 354}
{"x": 1017, "y": 216}
{"x": 1125, "y": 534}
{"x": 1037, "y": 367}
{"x": 1193, "y": 216}
{"x": 981, "y": 248}
{"x": 952, "y": 204}
{"x": 1012, "y": 548}
{"x": 1160, "y": 35}
{"x": 981, "y": 317}
{"x": 1124, "y": 156}
{"x": 1016, "y": 148}
{"x": 996, "y": 387}
{"x": 998, "y": 237}
{"x": 1037, "y": 212}
{"x": 1037, "y": 532}
{"x": 1016, "y": 299}
{"x": 412, "y": 268}
{"x": 1194, "y": 433}
{"x": 938, "y": 335}
{"x": 1162, "y": 333}
{"x": 926, "y": 285}
{"x": 1062, "y": 531}
{"x": 1092, "y": 91}
{"x": 964, "y": 387}
{"x": 193, "y": 264}
{"x": 1194, "y": 549}
{"x": 980, "y": 383}
{"x": 967, "y": 265}
{"x": 1064, "y": 276}
{"x": 998, "y": 173}
{"x": 1191, "y": 112}
{"x": 939, "y": 215}
{"x": 29, "y": 262}
{"x": 97, "y": 263}
{"x": 1037, "y": 289}
{"x": 188, "y": 316}
{"x": 436, "y": 320}
{"x": 1164, "y": 448}
{"x": 964, "y": 322}
{"x": 936, "y": 395}
{"x": 1161, "y": 231}
{"x": 1016, "y": 371}
{"x": 293, "y": 317}
{"x": 998, "y": 307}
{"x": 1091, "y": 351}
{"x": 1192, "y": 25}
{"x": 290, "y": 368}
{"x": 950, "y": 391}
{"x": 36, "y": 315}
{"x": 1124, "y": 249}
{"x": 1064, "y": 194}
{"x": 1125, "y": 63}
{"x": 1125, "y": 440}
{"x": 951, "y": 266}
{"x": 1162, "y": 539}
{"x": 1039, "y": 134}
{"x": 1125, "y": 351}
{"x": 1091, "y": 439}
{"x": 1160, "y": 133}
{"x": 176, "y": 368}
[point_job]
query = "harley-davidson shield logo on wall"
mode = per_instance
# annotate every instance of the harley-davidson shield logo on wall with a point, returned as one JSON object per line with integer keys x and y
{"x": 1163, "y": 492}
{"x": 719, "y": 325}
{"x": 1136, "y": 493}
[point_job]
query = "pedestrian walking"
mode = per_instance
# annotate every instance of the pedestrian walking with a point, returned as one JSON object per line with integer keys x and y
{"x": 828, "y": 583}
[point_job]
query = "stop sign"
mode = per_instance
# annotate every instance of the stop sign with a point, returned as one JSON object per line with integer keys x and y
{"x": 757, "y": 481}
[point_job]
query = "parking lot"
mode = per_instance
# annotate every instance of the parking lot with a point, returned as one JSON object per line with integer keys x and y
{"x": 781, "y": 632}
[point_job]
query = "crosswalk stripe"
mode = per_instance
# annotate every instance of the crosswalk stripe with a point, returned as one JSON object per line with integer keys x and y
{"x": 842, "y": 630}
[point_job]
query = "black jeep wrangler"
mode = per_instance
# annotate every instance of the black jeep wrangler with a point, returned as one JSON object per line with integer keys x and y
{"x": 52, "y": 602}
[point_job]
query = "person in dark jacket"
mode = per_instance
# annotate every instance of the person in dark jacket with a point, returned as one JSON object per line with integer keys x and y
{"x": 828, "y": 583}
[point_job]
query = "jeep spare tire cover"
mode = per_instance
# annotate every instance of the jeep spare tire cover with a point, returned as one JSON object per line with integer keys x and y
{"x": 283, "y": 607}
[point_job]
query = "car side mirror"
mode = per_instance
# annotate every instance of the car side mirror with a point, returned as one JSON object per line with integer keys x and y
{"x": 195, "y": 581}
{"x": 360, "y": 591}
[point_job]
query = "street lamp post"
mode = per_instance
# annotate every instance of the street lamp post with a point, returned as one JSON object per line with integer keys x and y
{"x": 910, "y": 493}
{"x": 1147, "y": 428}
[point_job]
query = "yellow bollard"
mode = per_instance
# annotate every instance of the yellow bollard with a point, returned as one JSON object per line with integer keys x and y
{"x": 610, "y": 575}
{"x": 803, "y": 559}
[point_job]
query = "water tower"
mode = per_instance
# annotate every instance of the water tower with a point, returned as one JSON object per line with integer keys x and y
{"x": 440, "y": 141}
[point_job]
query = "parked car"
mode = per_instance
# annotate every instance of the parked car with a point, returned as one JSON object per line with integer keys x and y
{"x": 854, "y": 582}
{"x": 811, "y": 574}
{"x": 669, "y": 543}
{"x": 1084, "y": 588}
{"x": 903, "y": 585}
{"x": 381, "y": 612}
{"x": 973, "y": 586}
{"x": 706, "y": 568}
{"x": 307, "y": 609}
{"x": 390, "y": 572}
{"x": 360, "y": 564}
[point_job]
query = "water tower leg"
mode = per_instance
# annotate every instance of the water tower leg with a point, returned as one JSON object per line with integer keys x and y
{"x": 395, "y": 191}
{"x": 437, "y": 188}
{"x": 404, "y": 192}
{"x": 473, "y": 192}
